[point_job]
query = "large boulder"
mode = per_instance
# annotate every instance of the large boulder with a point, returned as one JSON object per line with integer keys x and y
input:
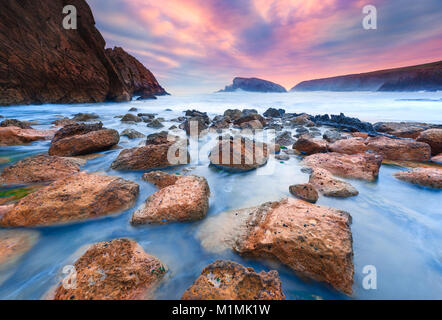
{"x": 161, "y": 151}
{"x": 81, "y": 139}
{"x": 179, "y": 199}
{"x": 228, "y": 280}
{"x": 41, "y": 168}
{"x": 239, "y": 154}
{"x": 330, "y": 186}
{"x": 399, "y": 149}
{"x": 10, "y": 136}
{"x": 349, "y": 146}
{"x": 309, "y": 145}
{"x": 402, "y": 129}
{"x": 359, "y": 166}
{"x": 434, "y": 138}
{"x": 429, "y": 177}
{"x": 233, "y": 114}
{"x": 314, "y": 241}
{"x": 77, "y": 197}
{"x": 113, "y": 270}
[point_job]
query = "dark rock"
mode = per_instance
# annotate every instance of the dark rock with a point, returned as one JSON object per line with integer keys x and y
{"x": 343, "y": 122}
{"x": 285, "y": 139}
{"x": 131, "y": 118}
{"x": 155, "y": 123}
{"x": 274, "y": 113}
{"x": 132, "y": 134}
{"x": 15, "y": 123}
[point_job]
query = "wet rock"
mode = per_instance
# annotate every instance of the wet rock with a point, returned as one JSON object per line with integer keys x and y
{"x": 274, "y": 125}
{"x": 15, "y": 123}
{"x": 312, "y": 240}
{"x": 285, "y": 138}
{"x": 147, "y": 115}
{"x": 195, "y": 125}
{"x": 129, "y": 117}
{"x": 349, "y": 146}
{"x": 274, "y": 113}
{"x": 133, "y": 109}
{"x": 359, "y": 166}
{"x": 161, "y": 179}
{"x": 221, "y": 122}
{"x": 132, "y": 134}
{"x": 233, "y": 114}
{"x": 199, "y": 114}
{"x": 41, "y": 168}
{"x": 114, "y": 270}
{"x": 306, "y": 192}
{"x": 253, "y": 125}
{"x": 228, "y": 280}
{"x": 10, "y": 136}
{"x": 250, "y": 117}
{"x": 239, "y": 153}
{"x": 330, "y": 186}
{"x": 282, "y": 157}
{"x": 81, "y": 139}
{"x": 401, "y": 129}
{"x": 434, "y": 138}
{"x": 155, "y": 123}
{"x": 76, "y": 197}
{"x": 342, "y": 122}
{"x": 359, "y": 134}
{"x": 155, "y": 154}
{"x": 429, "y": 177}
{"x": 302, "y": 119}
{"x": 398, "y": 149}
{"x": 85, "y": 117}
{"x": 331, "y": 135}
{"x": 179, "y": 199}
{"x": 63, "y": 122}
{"x": 437, "y": 158}
{"x": 308, "y": 145}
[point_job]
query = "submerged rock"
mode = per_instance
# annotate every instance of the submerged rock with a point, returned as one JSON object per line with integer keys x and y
{"x": 41, "y": 168}
{"x": 314, "y": 241}
{"x": 359, "y": 166}
{"x": 180, "y": 199}
{"x": 306, "y": 192}
{"x": 397, "y": 149}
{"x": 81, "y": 139}
{"x": 10, "y": 136}
{"x": 330, "y": 186}
{"x": 228, "y": 280}
{"x": 76, "y": 197}
{"x": 129, "y": 117}
{"x": 63, "y": 122}
{"x": 239, "y": 153}
{"x": 85, "y": 117}
{"x": 429, "y": 177}
{"x": 434, "y": 138}
{"x": 114, "y": 270}
{"x": 308, "y": 145}
{"x": 132, "y": 134}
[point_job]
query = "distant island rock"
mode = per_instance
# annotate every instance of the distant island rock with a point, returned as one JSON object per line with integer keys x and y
{"x": 253, "y": 85}
{"x": 425, "y": 77}
{"x": 41, "y": 62}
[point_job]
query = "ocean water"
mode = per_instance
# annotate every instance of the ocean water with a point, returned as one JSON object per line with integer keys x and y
{"x": 397, "y": 227}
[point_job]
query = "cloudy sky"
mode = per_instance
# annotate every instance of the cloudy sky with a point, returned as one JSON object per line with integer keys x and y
{"x": 197, "y": 46}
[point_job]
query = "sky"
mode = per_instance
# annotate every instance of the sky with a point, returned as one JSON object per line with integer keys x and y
{"x": 199, "y": 46}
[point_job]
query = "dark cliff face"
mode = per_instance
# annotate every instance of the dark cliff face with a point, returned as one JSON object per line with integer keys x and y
{"x": 41, "y": 62}
{"x": 253, "y": 85}
{"x": 136, "y": 77}
{"x": 426, "y": 77}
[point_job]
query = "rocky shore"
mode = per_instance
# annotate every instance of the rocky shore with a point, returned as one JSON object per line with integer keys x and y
{"x": 313, "y": 241}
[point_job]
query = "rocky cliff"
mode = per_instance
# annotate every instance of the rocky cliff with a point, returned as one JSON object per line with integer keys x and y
{"x": 41, "y": 62}
{"x": 254, "y": 85}
{"x": 426, "y": 77}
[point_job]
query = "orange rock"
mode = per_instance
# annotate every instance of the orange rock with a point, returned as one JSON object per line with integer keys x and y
{"x": 310, "y": 145}
{"x": 330, "y": 186}
{"x": 359, "y": 134}
{"x": 161, "y": 179}
{"x": 398, "y": 149}
{"x": 434, "y": 138}
{"x": 314, "y": 241}
{"x": 15, "y": 136}
{"x": 41, "y": 168}
{"x": 76, "y": 197}
{"x": 430, "y": 177}
{"x": 13, "y": 244}
{"x": 349, "y": 146}
{"x": 114, "y": 270}
{"x": 437, "y": 158}
{"x": 305, "y": 192}
{"x": 185, "y": 200}
{"x": 228, "y": 280}
{"x": 359, "y": 166}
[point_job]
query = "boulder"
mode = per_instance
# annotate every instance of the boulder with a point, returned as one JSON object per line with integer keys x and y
{"x": 81, "y": 139}
{"x": 401, "y": 129}
{"x": 228, "y": 280}
{"x": 195, "y": 125}
{"x": 253, "y": 125}
{"x": 331, "y": 135}
{"x": 429, "y": 177}
{"x": 349, "y": 146}
{"x": 250, "y": 117}
{"x": 314, "y": 241}
{"x": 179, "y": 200}
{"x": 285, "y": 138}
{"x": 330, "y": 186}
{"x": 10, "y": 136}
{"x": 161, "y": 179}
{"x": 274, "y": 113}
{"x": 399, "y": 149}
{"x": 84, "y": 117}
{"x": 132, "y": 134}
{"x": 113, "y": 270}
{"x": 63, "y": 122}
{"x": 76, "y": 197}
{"x": 306, "y": 192}
{"x": 434, "y": 138}
{"x": 15, "y": 123}
{"x": 41, "y": 168}
{"x": 302, "y": 119}
{"x": 155, "y": 123}
{"x": 129, "y": 117}
{"x": 359, "y": 166}
{"x": 309, "y": 145}
{"x": 233, "y": 114}
{"x": 239, "y": 154}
